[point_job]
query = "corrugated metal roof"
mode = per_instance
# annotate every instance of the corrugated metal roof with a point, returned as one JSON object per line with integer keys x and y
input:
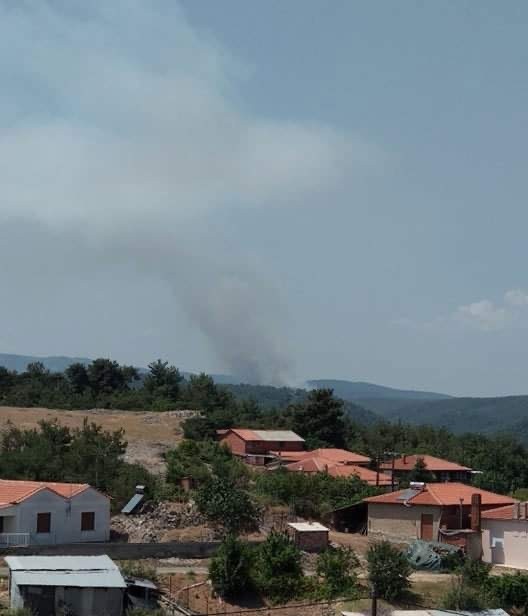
{"x": 79, "y": 571}
{"x": 278, "y": 435}
{"x": 308, "y": 526}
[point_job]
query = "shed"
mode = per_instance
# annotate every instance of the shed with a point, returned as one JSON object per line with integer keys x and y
{"x": 309, "y": 536}
{"x": 77, "y": 585}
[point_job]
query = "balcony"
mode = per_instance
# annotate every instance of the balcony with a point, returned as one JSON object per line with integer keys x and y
{"x": 14, "y": 539}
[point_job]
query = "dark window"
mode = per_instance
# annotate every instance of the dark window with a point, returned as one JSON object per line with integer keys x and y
{"x": 1, "y": 525}
{"x": 43, "y": 522}
{"x": 87, "y": 520}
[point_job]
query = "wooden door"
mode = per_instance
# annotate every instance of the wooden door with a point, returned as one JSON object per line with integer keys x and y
{"x": 426, "y": 527}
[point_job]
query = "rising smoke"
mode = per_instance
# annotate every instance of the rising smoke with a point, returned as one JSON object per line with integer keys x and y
{"x": 118, "y": 132}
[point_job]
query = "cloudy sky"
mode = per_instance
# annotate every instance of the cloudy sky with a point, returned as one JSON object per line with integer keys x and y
{"x": 281, "y": 190}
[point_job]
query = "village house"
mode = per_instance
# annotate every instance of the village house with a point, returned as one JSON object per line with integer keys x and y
{"x": 259, "y": 447}
{"x": 505, "y": 536}
{"x": 74, "y": 585}
{"x": 320, "y": 464}
{"x": 430, "y": 511}
{"x": 42, "y": 513}
{"x": 309, "y": 536}
{"x": 442, "y": 470}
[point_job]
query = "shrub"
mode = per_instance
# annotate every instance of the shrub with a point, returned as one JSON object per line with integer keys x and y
{"x": 388, "y": 570}
{"x": 230, "y": 569}
{"x": 278, "y": 573}
{"x": 461, "y": 597}
{"x": 336, "y": 570}
{"x": 227, "y": 506}
{"x": 508, "y": 591}
{"x": 138, "y": 569}
{"x": 475, "y": 573}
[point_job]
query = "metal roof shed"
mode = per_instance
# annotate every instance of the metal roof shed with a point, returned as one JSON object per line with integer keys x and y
{"x": 83, "y": 585}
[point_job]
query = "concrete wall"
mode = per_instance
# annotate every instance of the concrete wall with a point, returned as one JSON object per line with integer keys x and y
{"x": 510, "y": 538}
{"x": 400, "y": 523}
{"x": 310, "y": 541}
{"x": 65, "y": 517}
{"x": 121, "y": 551}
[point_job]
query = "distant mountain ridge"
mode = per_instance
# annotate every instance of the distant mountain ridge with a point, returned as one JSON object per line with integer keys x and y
{"x": 54, "y": 363}
{"x": 360, "y": 390}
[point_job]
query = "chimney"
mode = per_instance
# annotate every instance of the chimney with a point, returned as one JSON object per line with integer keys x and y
{"x": 476, "y": 503}
{"x": 405, "y": 458}
{"x": 516, "y": 511}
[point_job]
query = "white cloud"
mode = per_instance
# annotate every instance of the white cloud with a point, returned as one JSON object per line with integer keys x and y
{"x": 484, "y": 315}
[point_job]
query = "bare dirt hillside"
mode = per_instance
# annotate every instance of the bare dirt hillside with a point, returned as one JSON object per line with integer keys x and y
{"x": 149, "y": 435}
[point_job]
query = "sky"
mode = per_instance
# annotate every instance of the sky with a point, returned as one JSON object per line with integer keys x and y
{"x": 277, "y": 190}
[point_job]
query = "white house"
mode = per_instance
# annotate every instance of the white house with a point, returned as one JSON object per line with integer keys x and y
{"x": 44, "y": 513}
{"x": 76, "y": 585}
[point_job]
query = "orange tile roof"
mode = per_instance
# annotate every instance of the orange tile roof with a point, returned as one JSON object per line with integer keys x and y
{"x": 365, "y": 474}
{"x": 291, "y": 456}
{"x": 339, "y": 455}
{"x": 318, "y": 464}
{"x": 407, "y": 463}
{"x": 13, "y": 492}
{"x": 505, "y": 513}
{"x": 442, "y": 494}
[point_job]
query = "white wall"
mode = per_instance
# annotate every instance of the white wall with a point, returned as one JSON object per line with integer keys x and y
{"x": 65, "y": 517}
{"x": 510, "y": 538}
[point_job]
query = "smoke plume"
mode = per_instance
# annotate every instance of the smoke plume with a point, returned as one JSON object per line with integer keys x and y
{"x": 120, "y": 133}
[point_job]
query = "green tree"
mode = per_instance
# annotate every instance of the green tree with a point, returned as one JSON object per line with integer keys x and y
{"x": 203, "y": 394}
{"x": 163, "y": 381}
{"x": 336, "y": 568}
{"x": 320, "y": 419}
{"x": 420, "y": 472}
{"x": 388, "y": 570}
{"x": 227, "y": 506}
{"x": 230, "y": 568}
{"x": 278, "y": 570}
{"x": 107, "y": 376}
{"x": 77, "y": 377}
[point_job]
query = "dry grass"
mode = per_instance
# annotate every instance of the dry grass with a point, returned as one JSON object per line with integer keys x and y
{"x": 149, "y": 435}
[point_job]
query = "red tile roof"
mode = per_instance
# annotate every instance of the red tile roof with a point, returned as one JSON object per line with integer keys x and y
{"x": 442, "y": 494}
{"x": 407, "y": 463}
{"x": 13, "y": 492}
{"x": 506, "y": 513}
{"x": 365, "y": 474}
{"x": 339, "y": 455}
{"x": 318, "y": 464}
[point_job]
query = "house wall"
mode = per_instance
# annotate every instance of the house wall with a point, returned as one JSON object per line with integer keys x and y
{"x": 241, "y": 447}
{"x": 398, "y": 522}
{"x": 310, "y": 541}
{"x": 235, "y": 443}
{"x": 65, "y": 517}
{"x": 511, "y": 540}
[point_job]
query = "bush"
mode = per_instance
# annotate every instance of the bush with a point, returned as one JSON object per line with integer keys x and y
{"x": 227, "y": 506}
{"x": 278, "y": 573}
{"x": 508, "y": 591}
{"x": 138, "y": 569}
{"x": 336, "y": 570}
{"x": 388, "y": 571}
{"x": 475, "y": 573}
{"x": 461, "y": 597}
{"x": 230, "y": 569}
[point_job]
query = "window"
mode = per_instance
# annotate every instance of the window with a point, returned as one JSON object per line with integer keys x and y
{"x": 1, "y": 525}
{"x": 87, "y": 520}
{"x": 43, "y": 522}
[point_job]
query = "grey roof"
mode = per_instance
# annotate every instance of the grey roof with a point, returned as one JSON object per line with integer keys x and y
{"x": 278, "y": 435}
{"x": 133, "y": 503}
{"x": 79, "y": 571}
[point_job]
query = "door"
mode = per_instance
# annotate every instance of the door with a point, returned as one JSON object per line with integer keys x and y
{"x": 426, "y": 527}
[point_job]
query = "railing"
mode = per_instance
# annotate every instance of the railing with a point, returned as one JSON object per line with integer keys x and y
{"x": 14, "y": 539}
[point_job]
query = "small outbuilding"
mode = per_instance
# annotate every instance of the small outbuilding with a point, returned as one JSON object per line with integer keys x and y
{"x": 505, "y": 536}
{"x": 73, "y": 585}
{"x": 309, "y": 536}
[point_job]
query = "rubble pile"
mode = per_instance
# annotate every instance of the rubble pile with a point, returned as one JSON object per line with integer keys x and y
{"x": 154, "y": 522}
